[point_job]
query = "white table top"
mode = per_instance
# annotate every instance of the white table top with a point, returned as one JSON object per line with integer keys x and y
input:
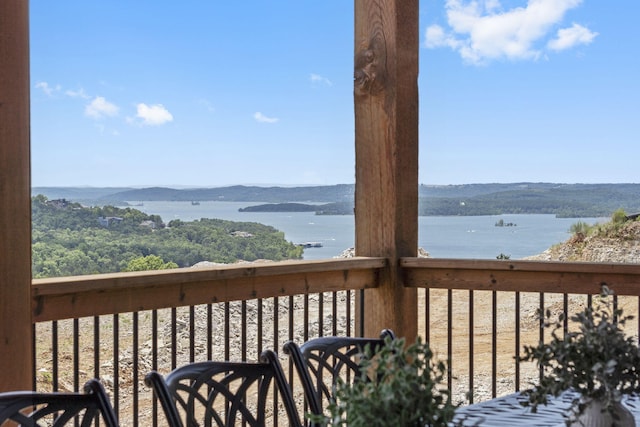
{"x": 507, "y": 411}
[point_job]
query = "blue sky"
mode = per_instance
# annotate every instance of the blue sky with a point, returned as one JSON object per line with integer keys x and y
{"x": 212, "y": 93}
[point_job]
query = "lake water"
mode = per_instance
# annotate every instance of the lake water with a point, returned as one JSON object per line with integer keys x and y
{"x": 442, "y": 237}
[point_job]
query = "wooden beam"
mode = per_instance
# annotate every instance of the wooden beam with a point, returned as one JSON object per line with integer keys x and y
{"x": 386, "y": 140}
{"x": 521, "y": 276}
{"x": 15, "y": 198}
{"x": 80, "y": 296}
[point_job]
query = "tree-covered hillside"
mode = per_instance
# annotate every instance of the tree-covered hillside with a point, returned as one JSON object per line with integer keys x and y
{"x": 68, "y": 240}
{"x": 336, "y": 208}
{"x": 241, "y": 193}
{"x": 562, "y": 200}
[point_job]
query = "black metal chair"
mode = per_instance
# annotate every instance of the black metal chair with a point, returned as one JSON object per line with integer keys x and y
{"x": 321, "y": 361}
{"x": 58, "y": 409}
{"x": 222, "y": 393}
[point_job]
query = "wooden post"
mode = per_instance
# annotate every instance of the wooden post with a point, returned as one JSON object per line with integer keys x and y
{"x": 15, "y": 199}
{"x": 386, "y": 139}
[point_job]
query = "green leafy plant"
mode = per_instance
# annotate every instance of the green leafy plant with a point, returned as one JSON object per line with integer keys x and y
{"x": 619, "y": 216}
{"x": 399, "y": 386}
{"x": 580, "y": 229}
{"x": 149, "y": 262}
{"x": 596, "y": 360}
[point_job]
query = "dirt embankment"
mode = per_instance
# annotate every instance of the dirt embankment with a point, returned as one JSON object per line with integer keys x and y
{"x": 617, "y": 244}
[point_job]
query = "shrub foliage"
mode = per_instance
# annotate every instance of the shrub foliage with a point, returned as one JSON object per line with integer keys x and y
{"x": 69, "y": 239}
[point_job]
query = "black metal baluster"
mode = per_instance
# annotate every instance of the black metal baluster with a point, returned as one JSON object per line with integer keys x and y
{"x": 136, "y": 378}
{"x": 116, "y": 363}
{"x": 243, "y": 330}
{"x": 320, "y": 314}
{"x": 449, "y": 337}
{"x": 209, "y": 331}
{"x": 494, "y": 343}
{"x": 192, "y": 334}
{"x": 54, "y": 355}
{"x": 174, "y": 338}
{"x": 471, "y": 343}
{"x": 154, "y": 361}
{"x": 334, "y": 309}
{"x": 517, "y": 343}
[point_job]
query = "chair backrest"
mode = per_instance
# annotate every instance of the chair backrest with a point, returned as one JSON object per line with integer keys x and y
{"x": 321, "y": 361}
{"x": 58, "y": 409}
{"x": 222, "y": 393}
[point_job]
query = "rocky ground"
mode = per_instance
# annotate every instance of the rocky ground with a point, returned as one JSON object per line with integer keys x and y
{"x": 622, "y": 245}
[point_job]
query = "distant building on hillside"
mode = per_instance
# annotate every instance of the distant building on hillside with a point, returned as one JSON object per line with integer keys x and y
{"x": 148, "y": 223}
{"x": 58, "y": 203}
{"x": 106, "y": 221}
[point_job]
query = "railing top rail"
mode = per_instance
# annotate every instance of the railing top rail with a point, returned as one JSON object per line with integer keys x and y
{"x": 522, "y": 265}
{"x": 80, "y": 296}
{"x": 523, "y": 276}
{"x": 72, "y": 284}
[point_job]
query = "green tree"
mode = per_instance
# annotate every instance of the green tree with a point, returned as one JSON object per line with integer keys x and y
{"x": 68, "y": 239}
{"x": 149, "y": 262}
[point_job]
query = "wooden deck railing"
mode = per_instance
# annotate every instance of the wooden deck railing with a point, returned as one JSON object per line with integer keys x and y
{"x": 80, "y": 296}
{"x": 477, "y": 314}
{"x": 118, "y": 327}
{"x": 481, "y": 312}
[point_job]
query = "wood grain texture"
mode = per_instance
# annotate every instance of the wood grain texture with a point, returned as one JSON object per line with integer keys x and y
{"x": 521, "y": 276}
{"x": 15, "y": 198}
{"x": 80, "y": 296}
{"x": 386, "y": 140}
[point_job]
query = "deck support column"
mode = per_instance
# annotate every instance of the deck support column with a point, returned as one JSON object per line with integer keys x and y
{"x": 15, "y": 199}
{"x": 386, "y": 141}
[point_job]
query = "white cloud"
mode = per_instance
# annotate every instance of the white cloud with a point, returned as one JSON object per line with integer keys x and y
{"x": 436, "y": 37}
{"x": 570, "y": 37}
{"x": 208, "y": 105}
{"x": 491, "y": 5}
{"x": 482, "y": 30}
{"x": 153, "y": 115}
{"x": 99, "y": 108}
{"x": 51, "y": 90}
{"x": 261, "y": 118}
{"x": 80, "y": 93}
{"x": 317, "y": 79}
{"x": 44, "y": 86}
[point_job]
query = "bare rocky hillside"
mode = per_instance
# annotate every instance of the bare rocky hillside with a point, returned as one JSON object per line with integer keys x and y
{"x": 610, "y": 244}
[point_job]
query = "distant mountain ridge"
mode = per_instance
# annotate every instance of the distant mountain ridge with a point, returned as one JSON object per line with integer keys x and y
{"x": 565, "y": 200}
{"x": 238, "y": 193}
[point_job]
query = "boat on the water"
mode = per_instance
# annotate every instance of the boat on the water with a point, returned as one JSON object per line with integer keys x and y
{"x": 311, "y": 245}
